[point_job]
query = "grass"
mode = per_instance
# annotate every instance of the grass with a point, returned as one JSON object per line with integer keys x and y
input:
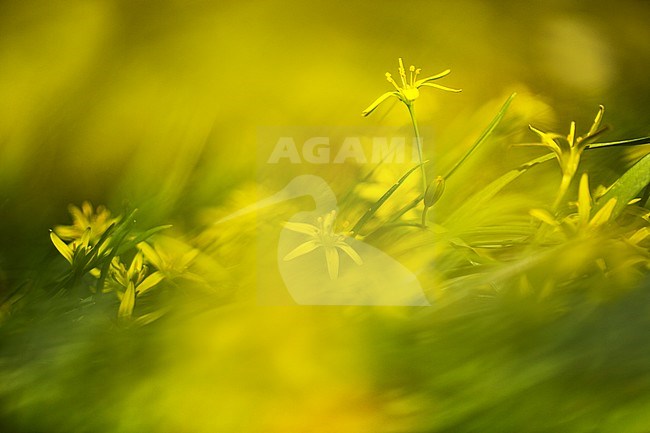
{"x": 538, "y": 282}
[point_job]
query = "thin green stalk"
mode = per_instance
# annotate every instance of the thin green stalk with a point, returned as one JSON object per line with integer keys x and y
{"x": 418, "y": 140}
{"x": 564, "y": 187}
{"x": 491, "y": 127}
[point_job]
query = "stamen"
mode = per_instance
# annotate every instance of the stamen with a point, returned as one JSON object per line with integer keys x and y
{"x": 402, "y": 72}
{"x": 411, "y": 71}
{"x": 389, "y": 77}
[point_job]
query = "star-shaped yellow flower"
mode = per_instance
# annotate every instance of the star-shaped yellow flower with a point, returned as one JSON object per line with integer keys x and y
{"x": 86, "y": 217}
{"x": 409, "y": 90}
{"x": 568, "y": 150}
{"x": 322, "y": 235}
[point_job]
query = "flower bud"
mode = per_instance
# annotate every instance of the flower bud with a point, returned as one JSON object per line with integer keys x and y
{"x": 434, "y": 191}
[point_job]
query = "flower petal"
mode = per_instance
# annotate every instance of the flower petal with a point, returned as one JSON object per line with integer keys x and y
{"x": 128, "y": 303}
{"x": 149, "y": 282}
{"x": 78, "y": 218}
{"x": 63, "y": 248}
{"x": 597, "y": 121}
{"x": 378, "y": 101}
{"x": 301, "y": 249}
{"x": 347, "y": 249}
{"x": 604, "y": 214}
{"x": 444, "y": 73}
{"x": 438, "y": 86}
{"x": 548, "y": 141}
{"x": 332, "y": 257}
{"x": 307, "y": 229}
{"x": 151, "y": 255}
{"x": 68, "y": 233}
{"x": 85, "y": 238}
{"x": 572, "y": 134}
{"x": 544, "y": 216}
{"x": 584, "y": 200}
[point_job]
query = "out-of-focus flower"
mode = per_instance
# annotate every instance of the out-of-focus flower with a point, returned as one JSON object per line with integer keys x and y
{"x": 323, "y": 235}
{"x": 83, "y": 218}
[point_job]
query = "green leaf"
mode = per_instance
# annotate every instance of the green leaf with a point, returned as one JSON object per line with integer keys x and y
{"x": 373, "y": 209}
{"x": 626, "y": 187}
{"x": 491, "y": 127}
{"x": 632, "y": 142}
{"x": 479, "y": 199}
{"x": 140, "y": 238}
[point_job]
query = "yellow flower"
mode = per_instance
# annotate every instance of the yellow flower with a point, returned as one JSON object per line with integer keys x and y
{"x": 131, "y": 282}
{"x": 409, "y": 89}
{"x": 97, "y": 220}
{"x": 585, "y": 220}
{"x": 323, "y": 235}
{"x": 170, "y": 256}
{"x": 568, "y": 150}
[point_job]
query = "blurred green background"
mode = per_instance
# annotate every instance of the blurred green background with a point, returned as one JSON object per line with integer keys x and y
{"x": 157, "y": 104}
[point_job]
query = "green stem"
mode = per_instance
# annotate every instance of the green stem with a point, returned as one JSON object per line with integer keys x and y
{"x": 418, "y": 140}
{"x": 564, "y": 186}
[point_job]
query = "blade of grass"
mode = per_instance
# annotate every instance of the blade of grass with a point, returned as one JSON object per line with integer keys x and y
{"x": 373, "y": 209}
{"x": 632, "y": 142}
{"x": 486, "y": 133}
{"x": 626, "y": 187}
{"x": 484, "y": 195}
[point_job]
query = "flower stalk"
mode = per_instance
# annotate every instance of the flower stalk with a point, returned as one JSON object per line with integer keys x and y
{"x": 408, "y": 92}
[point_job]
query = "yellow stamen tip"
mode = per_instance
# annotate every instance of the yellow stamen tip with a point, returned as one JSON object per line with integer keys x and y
{"x": 412, "y": 68}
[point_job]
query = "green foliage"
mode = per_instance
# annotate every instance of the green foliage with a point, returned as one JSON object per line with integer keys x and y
{"x": 534, "y": 285}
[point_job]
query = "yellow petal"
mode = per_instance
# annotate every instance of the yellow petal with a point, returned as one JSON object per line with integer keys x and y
{"x": 128, "y": 303}
{"x": 544, "y": 216}
{"x": 78, "y": 217}
{"x": 572, "y": 134}
{"x": 151, "y": 255}
{"x": 301, "y": 249}
{"x": 332, "y": 257}
{"x": 347, "y": 249}
{"x": 150, "y": 282}
{"x": 438, "y": 86}
{"x": 639, "y": 235}
{"x": 85, "y": 238}
{"x": 584, "y": 200}
{"x": 187, "y": 258}
{"x": 548, "y": 141}
{"x": 378, "y": 101}
{"x": 146, "y": 319}
{"x": 603, "y": 215}
{"x": 307, "y": 229}
{"x": 597, "y": 120}
{"x": 68, "y": 232}
{"x": 136, "y": 265}
{"x": 444, "y": 73}
{"x": 62, "y": 247}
